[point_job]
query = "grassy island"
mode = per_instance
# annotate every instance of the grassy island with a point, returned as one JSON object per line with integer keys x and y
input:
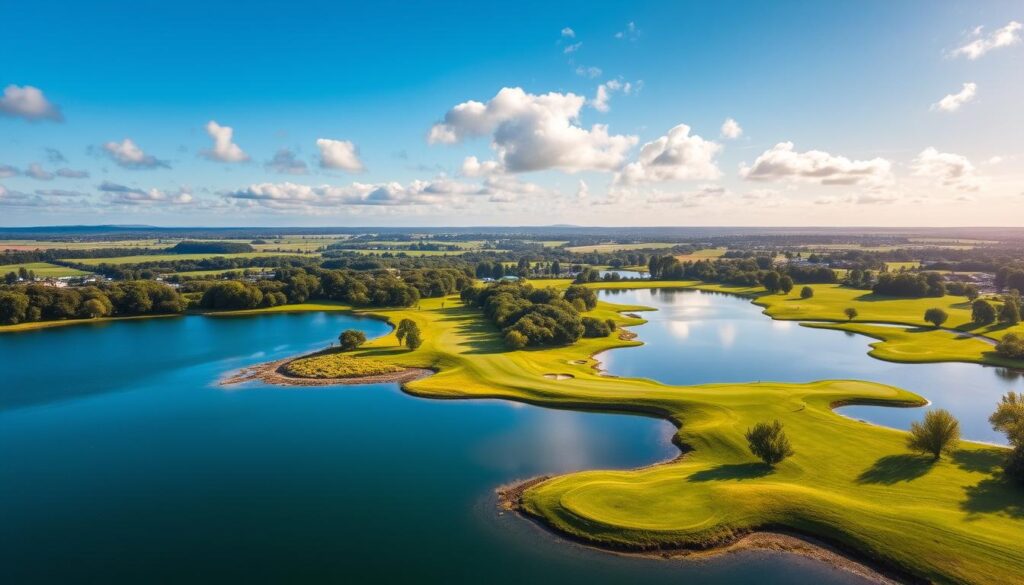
{"x": 338, "y": 365}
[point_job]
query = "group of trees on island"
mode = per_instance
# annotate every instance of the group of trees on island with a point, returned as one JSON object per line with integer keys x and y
{"x": 531, "y": 316}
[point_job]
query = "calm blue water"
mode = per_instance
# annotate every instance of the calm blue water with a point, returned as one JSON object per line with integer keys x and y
{"x": 121, "y": 461}
{"x": 626, "y": 274}
{"x": 696, "y": 338}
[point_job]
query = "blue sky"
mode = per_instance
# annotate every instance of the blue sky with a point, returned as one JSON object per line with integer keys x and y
{"x": 838, "y": 103}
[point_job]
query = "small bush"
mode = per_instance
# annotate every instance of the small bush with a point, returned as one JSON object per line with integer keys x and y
{"x": 850, "y": 313}
{"x": 1011, "y": 346}
{"x": 337, "y": 365}
{"x": 515, "y": 340}
{"x": 351, "y": 339}
{"x": 769, "y": 442}
{"x": 938, "y": 433}
{"x": 595, "y": 327}
{"x": 806, "y": 292}
{"x": 936, "y": 316}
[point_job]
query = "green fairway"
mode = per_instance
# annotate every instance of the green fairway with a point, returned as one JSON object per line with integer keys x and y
{"x": 43, "y": 270}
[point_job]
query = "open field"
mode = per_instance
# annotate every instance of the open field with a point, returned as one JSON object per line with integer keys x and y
{"x": 897, "y": 266}
{"x": 619, "y": 247}
{"x": 207, "y": 273}
{"x": 22, "y": 245}
{"x": 43, "y": 269}
{"x": 704, "y": 254}
{"x": 338, "y": 365}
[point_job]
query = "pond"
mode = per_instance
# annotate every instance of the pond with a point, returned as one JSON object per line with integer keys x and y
{"x": 124, "y": 462}
{"x": 696, "y": 337}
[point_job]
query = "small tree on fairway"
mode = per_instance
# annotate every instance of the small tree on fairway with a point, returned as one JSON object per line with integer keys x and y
{"x": 404, "y": 326}
{"x": 414, "y": 338}
{"x": 769, "y": 442}
{"x": 1009, "y": 420}
{"x": 351, "y": 339}
{"x": 786, "y": 284}
{"x": 936, "y": 316}
{"x": 1010, "y": 313}
{"x": 850, "y": 313}
{"x": 806, "y": 292}
{"x": 982, "y": 312}
{"x": 938, "y": 433}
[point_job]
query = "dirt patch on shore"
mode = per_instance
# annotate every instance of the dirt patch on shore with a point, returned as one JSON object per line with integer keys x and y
{"x": 509, "y": 499}
{"x": 275, "y": 373}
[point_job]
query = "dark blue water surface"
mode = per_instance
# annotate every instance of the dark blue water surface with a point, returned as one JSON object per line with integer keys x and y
{"x": 696, "y": 337}
{"x": 122, "y": 461}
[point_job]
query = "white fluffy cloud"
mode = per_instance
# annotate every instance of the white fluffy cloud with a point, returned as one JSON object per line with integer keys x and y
{"x": 591, "y": 72}
{"x": 953, "y": 101}
{"x": 535, "y": 132}
{"x": 568, "y": 33}
{"x": 951, "y": 170}
{"x": 782, "y": 162}
{"x": 630, "y": 33}
{"x": 339, "y": 154}
{"x": 1003, "y": 37}
{"x": 128, "y": 155}
{"x": 117, "y": 194}
{"x": 472, "y": 167}
{"x": 731, "y": 129}
{"x": 676, "y": 156}
{"x": 29, "y": 103}
{"x": 605, "y": 91}
{"x": 224, "y": 150}
{"x": 582, "y": 190}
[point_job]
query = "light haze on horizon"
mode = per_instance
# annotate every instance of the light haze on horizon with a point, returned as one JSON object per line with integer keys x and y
{"x": 651, "y": 113}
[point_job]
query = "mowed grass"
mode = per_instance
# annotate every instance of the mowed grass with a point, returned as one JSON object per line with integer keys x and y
{"x": 43, "y": 269}
{"x": 897, "y": 266}
{"x": 849, "y": 482}
{"x": 704, "y": 254}
{"x": 619, "y": 247}
{"x": 338, "y": 365}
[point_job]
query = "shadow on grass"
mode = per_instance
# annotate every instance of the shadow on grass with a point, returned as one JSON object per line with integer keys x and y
{"x": 736, "y": 471}
{"x": 995, "y": 495}
{"x": 479, "y": 334}
{"x": 896, "y": 468}
{"x": 981, "y": 461}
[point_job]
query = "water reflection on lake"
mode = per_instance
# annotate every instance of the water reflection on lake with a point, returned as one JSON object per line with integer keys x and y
{"x": 696, "y": 337}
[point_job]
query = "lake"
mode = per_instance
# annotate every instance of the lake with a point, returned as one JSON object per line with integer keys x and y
{"x": 697, "y": 337}
{"x": 124, "y": 462}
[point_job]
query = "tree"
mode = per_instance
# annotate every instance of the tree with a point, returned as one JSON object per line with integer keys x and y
{"x": 13, "y": 307}
{"x": 971, "y": 292}
{"x": 93, "y": 308}
{"x": 1009, "y": 420}
{"x": 1011, "y": 346}
{"x": 771, "y": 281}
{"x": 938, "y": 433}
{"x": 587, "y": 295}
{"x": 982, "y": 312}
{"x": 769, "y": 442}
{"x": 404, "y": 326}
{"x": 1010, "y": 312}
{"x": 786, "y": 284}
{"x": 351, "y": 339}
{"x": 414, "y": 338}
{"x": 850, "y": 313}
{"x": 936, "y": 316}
{"x": 806, "y": 292}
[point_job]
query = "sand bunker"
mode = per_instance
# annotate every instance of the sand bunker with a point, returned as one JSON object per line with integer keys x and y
{"x": 559, "y": 376}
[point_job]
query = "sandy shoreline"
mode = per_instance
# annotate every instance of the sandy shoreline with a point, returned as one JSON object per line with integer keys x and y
{"x": 274, "y": 373}
{"x": 509, "y": 499}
